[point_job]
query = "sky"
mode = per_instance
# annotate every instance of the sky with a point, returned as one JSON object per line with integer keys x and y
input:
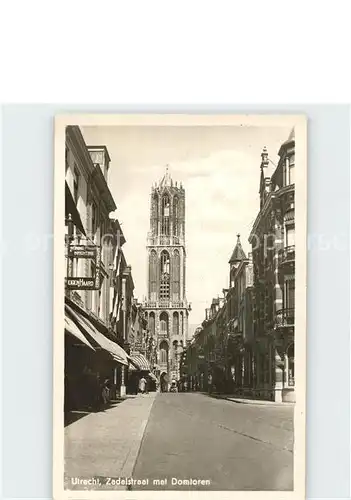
{"x": 219, "y": 168}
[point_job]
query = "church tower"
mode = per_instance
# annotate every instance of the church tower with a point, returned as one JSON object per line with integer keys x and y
{"x": 166, "y": 305}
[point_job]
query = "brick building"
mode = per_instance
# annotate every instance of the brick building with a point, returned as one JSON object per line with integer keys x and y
{"x": 273, "y": 251}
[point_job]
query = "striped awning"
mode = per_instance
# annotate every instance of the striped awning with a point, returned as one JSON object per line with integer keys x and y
{"x": 72, "y": 329}
{"x": 116, "y": 351}
{"x": 139, "y": 362}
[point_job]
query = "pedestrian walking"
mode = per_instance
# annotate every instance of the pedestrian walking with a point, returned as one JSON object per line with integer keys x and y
{"x": 210, "y": 380}
{"x": 142, "y": 385}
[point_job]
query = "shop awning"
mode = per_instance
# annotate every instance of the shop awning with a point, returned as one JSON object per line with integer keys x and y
{"x": 139, "y": 362}
{"x": 72, "y": 328}
{"x": 114, "y": 349}
{"x": 71, "y": 208}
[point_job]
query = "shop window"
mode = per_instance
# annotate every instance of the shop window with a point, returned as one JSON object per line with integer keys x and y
{"x": 291, "y": 365}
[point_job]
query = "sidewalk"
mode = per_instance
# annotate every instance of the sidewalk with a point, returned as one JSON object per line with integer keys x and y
{"x": 106, "y": 444}
{"x": 261, "y": 402}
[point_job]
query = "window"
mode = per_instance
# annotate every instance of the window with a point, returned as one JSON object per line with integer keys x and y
{"x": 75, "y": 183}
{"x": 291, "y": 365}
{"x": 153, "y": 275}
{"x": 155, "y": 216}
{"x": 165, "y": 215}
{"x": 175, "y": 323}
{"x": 176, "y": 276}
{"x": 165, "y": 275}
{"x": 175, "y": 216}
{"x": 289, "y": 235}
{"x": 152, "y": 323}
{"x": 164, "y": 323}
{"x": 289, "y": 166}
{"x": 163, "y": 352}
{"x": 93, "y": 220}
{"x": 289, "y": 294}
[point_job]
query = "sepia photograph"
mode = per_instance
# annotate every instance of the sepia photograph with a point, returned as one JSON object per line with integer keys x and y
{"x": 180, "y": 304}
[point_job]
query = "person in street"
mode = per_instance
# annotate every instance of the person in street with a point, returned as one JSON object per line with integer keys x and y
{"x": 105, "y": 392}
{"x": 210, "y": 381}
{"x": 142, "y": 385}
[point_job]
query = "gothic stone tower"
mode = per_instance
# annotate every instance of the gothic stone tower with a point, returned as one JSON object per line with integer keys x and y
{"x": 166, "y": 305}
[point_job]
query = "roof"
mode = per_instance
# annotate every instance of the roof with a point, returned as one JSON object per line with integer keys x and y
{"x": 238, "y": 252}
{"x": 289, "y": 140}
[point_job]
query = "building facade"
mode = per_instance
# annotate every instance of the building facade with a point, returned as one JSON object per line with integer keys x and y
{"x": 246, "y": 341}
{"x": 273, "y": 250}
{"x": 97, "y": 299}
{"x": 166, "y": 306}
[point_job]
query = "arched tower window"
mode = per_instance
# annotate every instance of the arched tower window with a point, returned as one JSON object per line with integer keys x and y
{"x": 175, "y": 323}
{"x": 176, "y": 276}
{"x": 165, "y": 275}
{"x": 154, "y": 214}
{"x": 165, "y": 215}
{"x": 164, "y": 323}
{"x": 175, "y": 216}
{"x": 163, "y": 352}
{"x": 153, "y": 275}
{"x": 152, "y": 323}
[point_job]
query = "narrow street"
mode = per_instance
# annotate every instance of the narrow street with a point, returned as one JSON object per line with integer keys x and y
{"x": 185, "y": 436}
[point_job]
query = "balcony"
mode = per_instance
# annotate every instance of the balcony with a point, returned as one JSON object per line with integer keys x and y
{"x": 285, "y": 318}
{"x": 164, "y": 304}
{"x": 287, "y": 255}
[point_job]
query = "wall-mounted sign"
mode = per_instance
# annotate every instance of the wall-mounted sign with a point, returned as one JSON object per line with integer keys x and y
{"x": 82, "y": 251}
{"x": 80, "y": 283}
{"x": 85, "y": 282}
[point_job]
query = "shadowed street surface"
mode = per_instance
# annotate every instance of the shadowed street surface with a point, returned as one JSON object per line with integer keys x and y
{"x": 233, "y": 446}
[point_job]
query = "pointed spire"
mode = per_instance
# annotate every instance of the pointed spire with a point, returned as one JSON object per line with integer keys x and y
{"x": 264, "y": 156}
{"x": 166, "y": 179}
{"x": 238, "y": 252}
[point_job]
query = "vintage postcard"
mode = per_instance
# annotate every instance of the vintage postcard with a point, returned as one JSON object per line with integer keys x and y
{"x": 180, "y": 306}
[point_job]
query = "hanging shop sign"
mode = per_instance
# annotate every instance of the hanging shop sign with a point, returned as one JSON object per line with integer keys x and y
{"x": 81, "y": 283}
{"x": 85, "y": 282}
{"x": 83, "y": 252}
